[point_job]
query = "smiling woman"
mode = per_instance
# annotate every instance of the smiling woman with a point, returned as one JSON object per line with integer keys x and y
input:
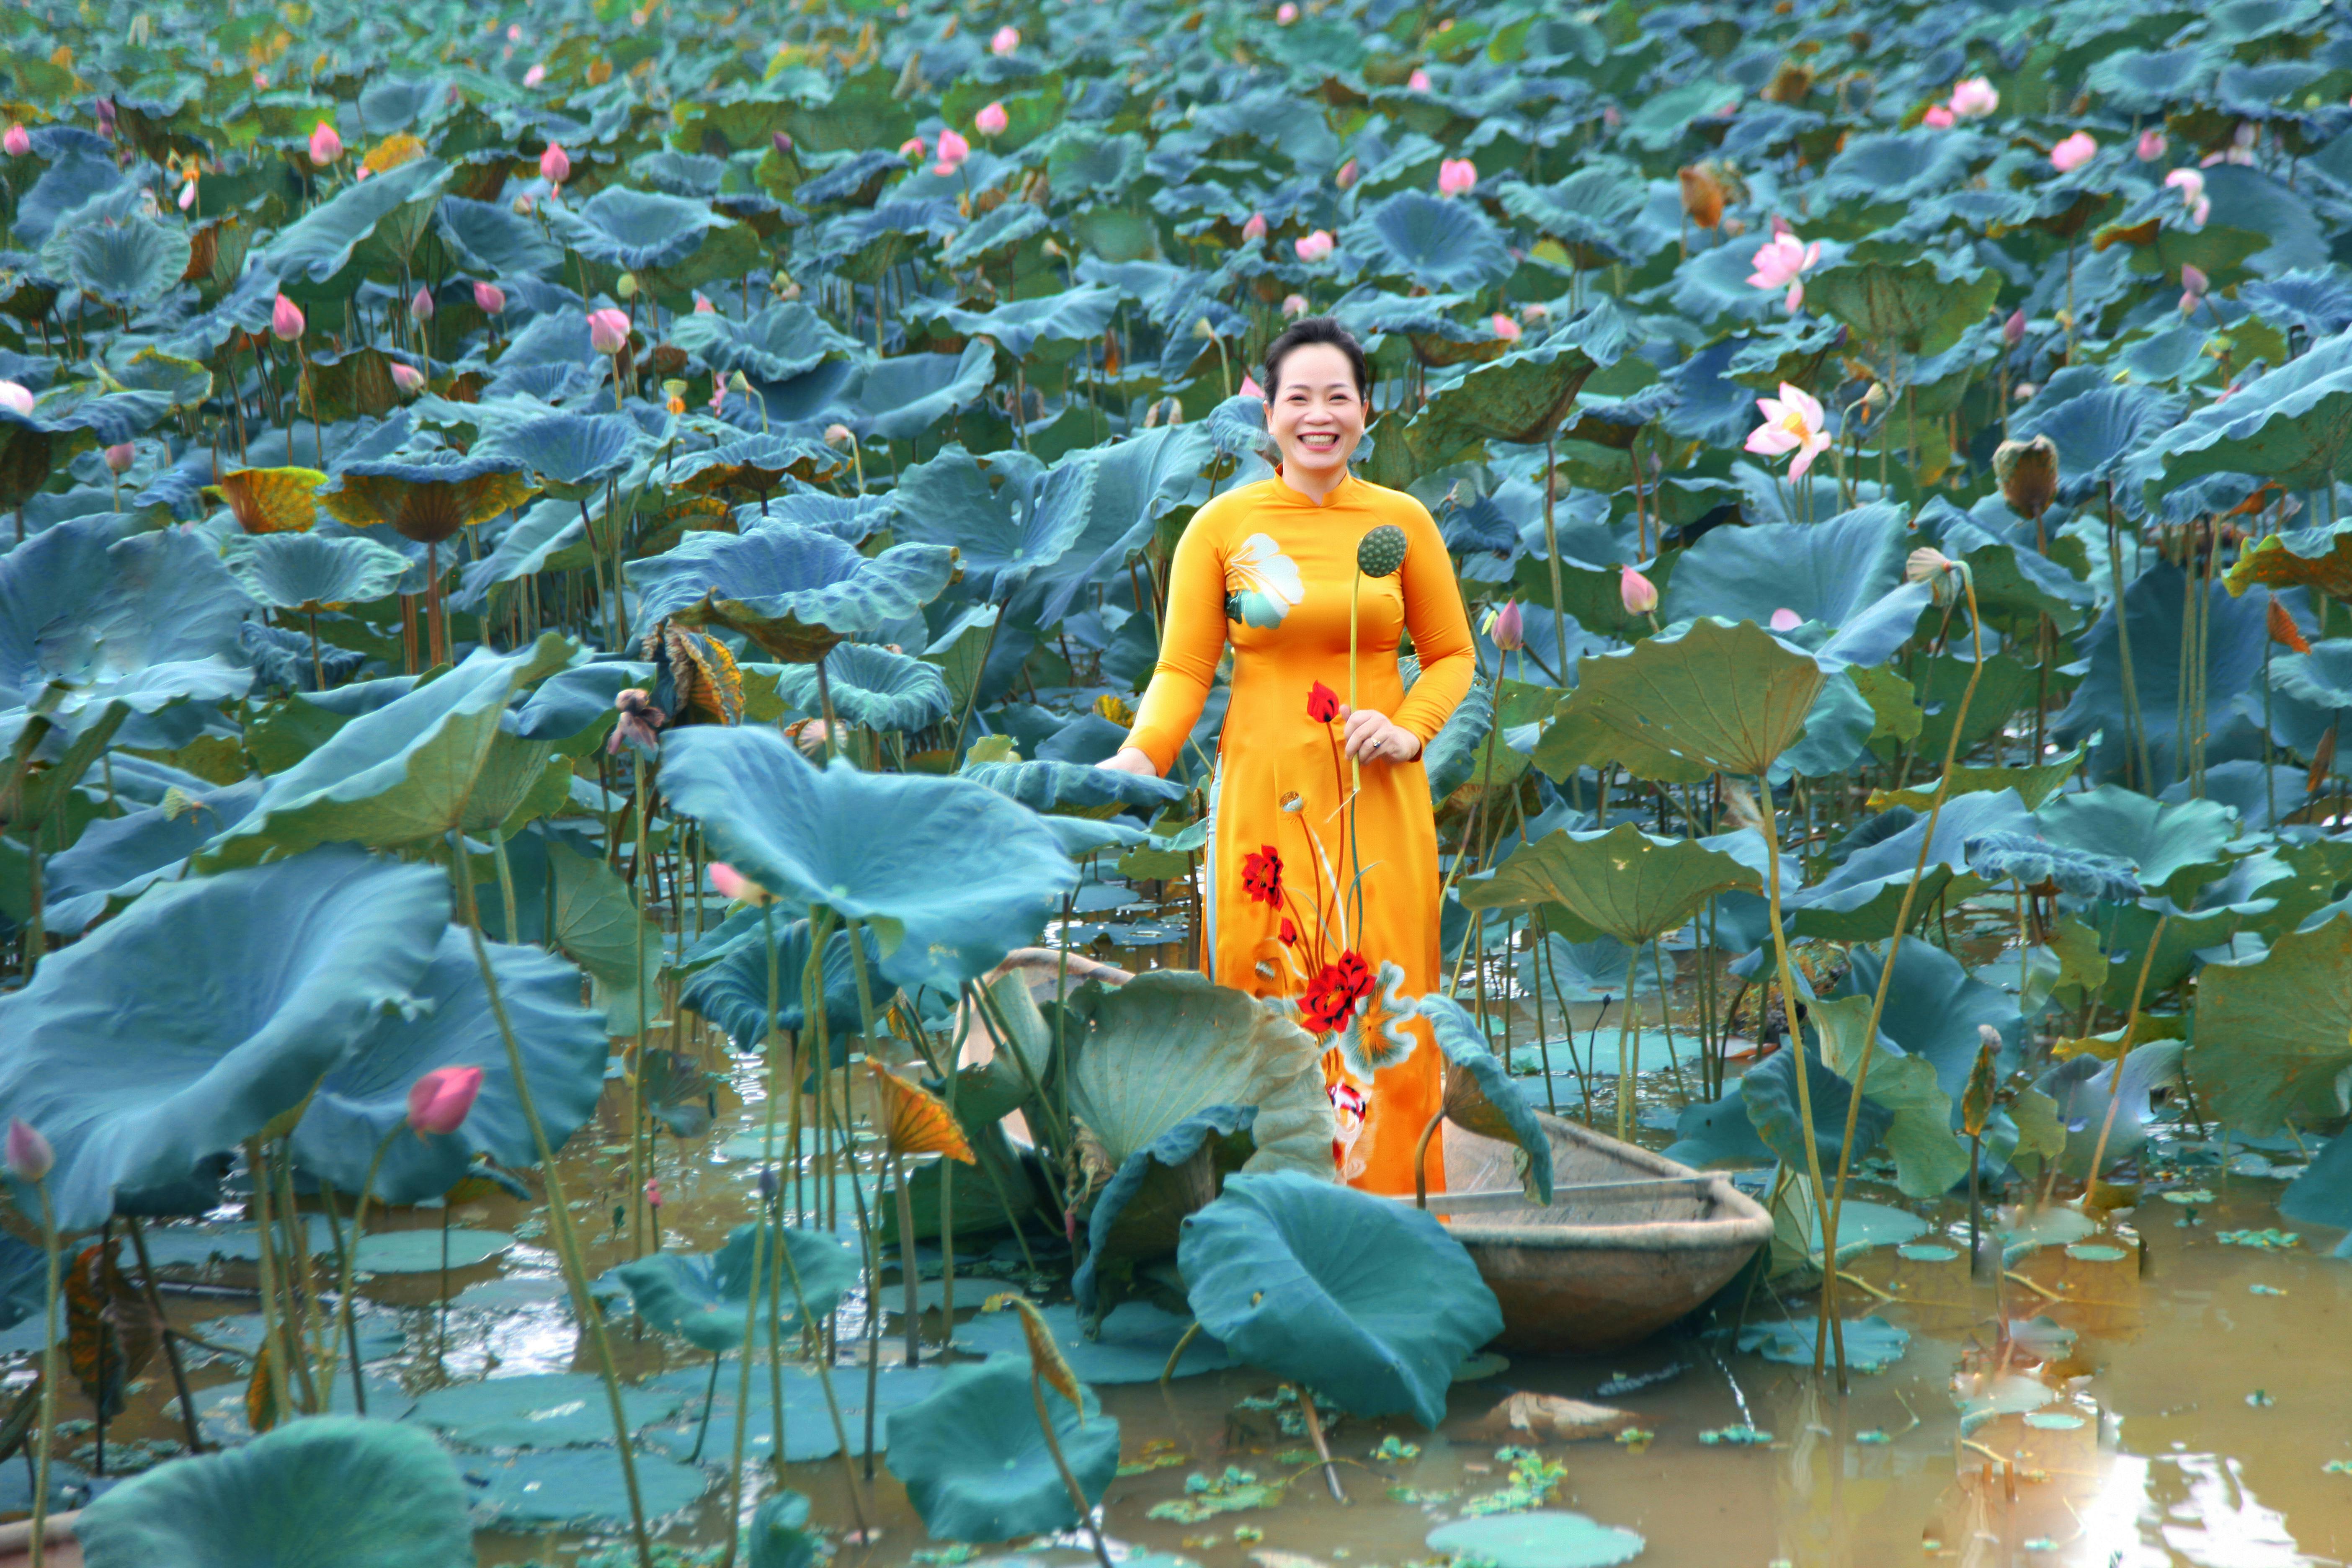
{"x": 1323, "y": 876}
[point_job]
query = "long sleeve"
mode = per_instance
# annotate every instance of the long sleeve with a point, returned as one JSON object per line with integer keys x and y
{"x": 1440, "y": 629}
{"x": 1191, "y": 642}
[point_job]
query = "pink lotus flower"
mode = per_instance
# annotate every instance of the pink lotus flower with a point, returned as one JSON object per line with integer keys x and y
{"x": 2073, "y": 152}
{"x": 30, "y": 1158}
{"x": 1347, "y": 174}
{"x": 555, "y": 164}
{"x": 440, "y": 1102}
{"x": 1636, "y": 593}
{"x": 1974, "y": 99}
{"x": 1937, "y": 117}
{"x": 1250, "y": 388}
{"x": 733, "y": 884}
{"x": 1314, "y": 248}
{"x": 1254, "y": 229}
{"x": 1793, "y": 423}
{"x": 1455, "y": 176}
{"x": 17, "y": 141}
{"x": 2012, "y": 330}
{"x": 408, "y": 378}
{"x": 1418, "y": 82}
{"x": 119, "y": 459}
{"x": 953, "y": 150}
{"x": 1782, "y": 263}
{"x": 2151, "y": 146}
{"x": 1006, "y": 40}
{"x": 992, "y": 119}
{"x": 534, "y": 76}
{"x": 286, "y": 322}
{"x": 703, "y": 307}
{"x": 420, "y": 304}
{"x": 1293, "y": 304}
{"x": 912, "y": 147}
{"x": 325, "y": 145}
{"x": 608, "y": 330}
{"x": 653, "y": 1191}
{"x": 1508, "y": 626}
{"x": 15, "y": 397}
{"x": 1786, "y": 620}
{"x": 490, "y": 297}
{"x": 1505, "y": 328}
{"x": 187, "y": 196}
{"x": 1286, "y": 14}
{"x": 781, "y": 141}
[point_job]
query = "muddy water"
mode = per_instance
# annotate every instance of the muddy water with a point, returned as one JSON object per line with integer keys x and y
{"x": 2189, "y": 1421}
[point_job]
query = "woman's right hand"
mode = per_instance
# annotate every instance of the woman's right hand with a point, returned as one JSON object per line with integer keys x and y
{"x": 1130, "y": 760}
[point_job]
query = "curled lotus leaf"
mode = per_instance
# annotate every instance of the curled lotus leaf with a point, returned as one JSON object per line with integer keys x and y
{"x": 793, "y": 590}
{"x": 2290, "y": 425}
{"x": 1481, "y": 1096}
{"x": 1623, "y": 883}
{"x": 247, "y": 988}
{"x": 1523, "y": 396}
{"x": 272, "y": 500}
{"x": 574, "y": 456}
{"x": 733, "y": 991}
{"x": 975, "y": 1461}
{"x": 871, "y": 687}
{"x": 1432, "y": 241}
{"x": 2031, "y": 862}
{"x": 430, "y": 499}
{"x": 760, "y": 464}
{"x": 1139, "y": 1212}
{"x": 702, "y": 1295}
{"x": 311, "y": 572}
{"x": 634, "y": 230}
{"x": 777, "y": 343}
{"x": 914, "y": 1121}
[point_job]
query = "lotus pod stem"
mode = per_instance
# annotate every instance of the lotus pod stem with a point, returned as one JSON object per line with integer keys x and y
{"x": 48, "y": 1436}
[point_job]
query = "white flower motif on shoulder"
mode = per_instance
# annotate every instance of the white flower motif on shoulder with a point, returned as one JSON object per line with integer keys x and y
{"x": 1262, "y": 584}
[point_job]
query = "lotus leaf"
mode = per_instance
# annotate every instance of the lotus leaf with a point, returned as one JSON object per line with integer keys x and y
{"x": 1623, "y": 883}
{"x": 1918, "y": 304}
{"x": 793, "y": 590}
{"x": 1067, "y": 786}
{"x": 1871, "y": 1344}
{"x": 428, "y": 499}
{"x": 375, "y": 222}
{"x": 2175, "y": 849}
{"x": 1141, "y": 1211}
{"x": 1522, "y": 397}
{"x": 330, "y": 1491}
{"x": 273, "y": 500}
{"x": 1543, "y": 1538}
{"x": 311, "y": 572}
{"x": 1003, "y": 534}
{"x": 1481, "y": 1096}
{"x": 2231, "y": 635}
{"x": 733, "y": 991}
{"x": 2289, "y": 425}
{"x": 1019, "y": 326}
{"x": 871, "y": 687}
{"x": 573, "y": 455}
{"x": 778, "y": 343}
{"x": 809, "y": 834}
{"x": 1130, "y": 1345}
{"x": 1354, "y": 1296}
{"x": 2274, "y": 1035}
{"x": 426, "y": 1249}
{"x": 1725, "y": 698}
{"x": 975, "y": 1461}
{"x": 1827, "y": 571}
{"x": 634, "y": 230}
{"x": 2034, "y": 862}
{"x": 1430, "y": 240}
{"x": 702, "y": 1295}
{"x": 1928, "y": 1157}
{"x": 129, "y": 263}
{"x": 1770, "y": 1091}
{"x": 581, "y": 1488}
{"x": 1935, "y": 1007}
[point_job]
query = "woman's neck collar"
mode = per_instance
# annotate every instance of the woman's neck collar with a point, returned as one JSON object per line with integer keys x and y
{"x": 1312, "y": 496}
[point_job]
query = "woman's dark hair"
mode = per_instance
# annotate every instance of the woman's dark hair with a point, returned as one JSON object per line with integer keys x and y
{"x": 1316, "y": 330}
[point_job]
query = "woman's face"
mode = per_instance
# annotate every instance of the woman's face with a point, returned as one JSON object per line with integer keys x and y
{"x": 1316, "y": 417}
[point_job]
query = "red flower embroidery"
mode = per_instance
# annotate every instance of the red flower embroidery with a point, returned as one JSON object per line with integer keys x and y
{"x": 1330, "y": 999}
{"x": 1262, "y": 876}
{"x": 1290, "y": 934}
{"x": 1322, "y": 704}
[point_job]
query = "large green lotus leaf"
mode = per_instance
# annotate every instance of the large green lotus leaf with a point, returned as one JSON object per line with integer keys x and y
{"x": 1139, "y": 1213}
{"x": 429, "y": 498}
{"x": 311, "y": 571}
{"x": 1826, "y": 572}
{"x": 128, "y": 264}
{"x": 1130, "y": 1345}
{"x": 634, "y": 230}
{"x": 785, "y": 339}
{"x": 2323, "y": 1194}
{"x": 702, "y": 1295}
{"x": 1623, "y": 883}
{"x": 1728, "y": 697}
{"x": 1665, "y": 117}
{"x": 2274, "y": 1037}
{"x": 400, "y": 775}
{"x": 1136, "y": 482}
{"x": 1523, "y": 396}
{"x": 974, "y": 1458}
{"x": 871, "y": 687}
{"x": 1355, "y": 1296}
{"x": 899, "y": 398}
{"x": 581, "y": 1488}
{"x": 368, "y": 226}
{"x": 1019, "y": 326}
{"x": 574, "y": 455}
{"x": 1481, "y": 1094}
{"x": 425, "y": 1249}
{"x": 1169, "y": 1044}
{"x": 1919, "y": 304}
{"x": 793, "y": 590}
{"x": 1002, "y": 533}
{"x": 732, "y": 993}
{"x": 572, "y": 902}
{"x": 1047, "y": 786}
{"x": 490, "y": 239}
{"x": 2085, "y": 1090}
{"x": 2231, "y": 632}
{"x": 2290, "y": 425}
{"x": 951, "y": 876}
{"x": 2175, "y": 847}
{"x": 1899, "y": 167}
{"x": 2096, "y": 431}
{"x": 1935, "y": 1007}
{"x": 538, "y": 1410}
{"x": 1546, "y": 1538}
{"x": 1769, "y": 1093}
{"x": 1596, "y": 211}
{"x": 447, "y": 1023}
{"x": 329, "y": 1491}
{"x": 242, "y": 990}
{"x": 1429, "y": 240}
{"x": 1928, "y": 1157}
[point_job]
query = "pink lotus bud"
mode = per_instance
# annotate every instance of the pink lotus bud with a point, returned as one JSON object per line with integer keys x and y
{"x": 992, "y": 119}
{"x": 1006, "y": 40}
{"x": 286, "y": 322}
{"x": 2201, "y": 211}
{"x": 514, "y": 32}
{"x": 1508, "y": 628}
{"x": 1505, "y": 328}
{"x": 2189, "y": 182}
{"x": 1254, "y": 229}
{"x": 912, "y": 147}
{"x": 653, "y": 1191}
{"x": 953, "y": 149}
{"x": 555, "y": 164}
{"x": 1975, "y": 98}
{"x": 1636, "y": 593}
{"x": 119, "y": 459}
{"x": 441, "y": 1099}
{"x": 2194, "y": 278}
{"x": 17, "y": 141}
{"x": 733, "y": 884}
{"x": 2073, "y": 152}
{"x": 1250, "y": 388}
{"x": 1937, "y": 117}
{"x": 489, "y": 299}
{"x": 703, "y": 307}
{"x": 1418, "y": 82}
{"x": 608, "y": 330}
{"x": 2151, "y": 146}
{"x": 187, "y": 196}
{"x": 408, "y": 378}
{"x": 2012, "y": 330}
{"x": 1786, "y": 620}
{"x": 30, "y": 1158}
{"x": 1347, "y": 174}
{"x": 16, "y": 398}
{"x": 420, "y": 304}
{"x": 1293, "y": 304}
{"x": 1455, "y": 176}
{"x": 781, "y": 141}
{"x": 325, "y": 145}
{"x": 534, "y": 76}
{"x": 524, "y": 205}
{"x": 1314, "y": 248}
{"x": 1286, "y": 14}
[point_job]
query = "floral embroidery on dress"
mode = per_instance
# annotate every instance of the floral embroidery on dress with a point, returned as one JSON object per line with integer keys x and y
{"x": 1262, "y": 584}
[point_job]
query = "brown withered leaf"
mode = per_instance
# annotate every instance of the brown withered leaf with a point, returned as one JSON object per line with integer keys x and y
{"x": 1553, "y": 1418}
{"x": 111, "y": 1334}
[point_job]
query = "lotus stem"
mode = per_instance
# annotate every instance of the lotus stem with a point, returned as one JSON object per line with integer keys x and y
{"x": 711, "y": 1398}
{"x": 1191, "y": 1332}
{"x": 759, "y": 1247}
{"x": 1796, "y": 1047}
{"x": 1626, "y": 1055}
{"x": 350, "y": 1265}
{"x": 1421, "y": 1165}
{"x": 2123, "y": 1053}
{"x": 273, "y": 1320}
{"x": 640, "y": 1155}
{"x": 1322, "y": 1448}
{"x": 1355, "y": 763}
{"x": 824, "y": 1381}
{"x": 171, "y": 1336}
{"x": 327, "y": 1359}
{"x": 47, "y": 1436}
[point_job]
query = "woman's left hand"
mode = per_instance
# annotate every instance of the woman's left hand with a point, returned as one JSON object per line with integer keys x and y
{"x": 1371, "y": 737}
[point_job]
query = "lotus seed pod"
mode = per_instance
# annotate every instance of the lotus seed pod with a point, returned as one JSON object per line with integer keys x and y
{"x": 2028, "y": 471}
{"x": 1381, "y": 554}
{"x": 1702, "y": 195}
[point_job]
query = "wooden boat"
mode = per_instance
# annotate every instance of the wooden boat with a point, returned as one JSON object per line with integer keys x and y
{"x": 1631, "y": 1242}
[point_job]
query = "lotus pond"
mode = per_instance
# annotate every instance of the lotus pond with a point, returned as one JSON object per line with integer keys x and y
{"x": 569, "y": 990}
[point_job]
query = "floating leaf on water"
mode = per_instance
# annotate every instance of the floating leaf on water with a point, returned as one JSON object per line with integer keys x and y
{"x": 1871, "y": 1345}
